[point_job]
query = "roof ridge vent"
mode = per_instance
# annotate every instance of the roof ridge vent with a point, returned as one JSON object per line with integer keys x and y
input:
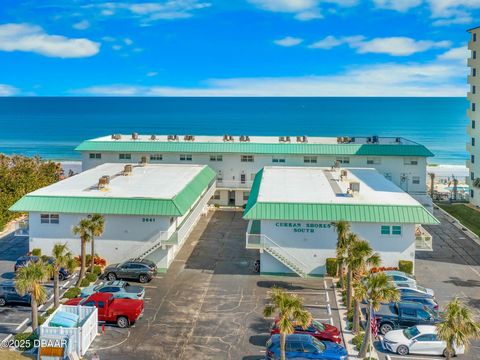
{"x": 127, "y": 170}
{"x": 134, "y": 136}
{"x": 116, "y": 136}
{"x": 172, "y": 137}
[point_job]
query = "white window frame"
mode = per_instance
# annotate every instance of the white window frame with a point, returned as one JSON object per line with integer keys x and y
{"x": 216, "y": 157}
{"x": 186, "y": 157}
{"x": 410, "y": 161}
{"x": 125, "y": 156}
{"x": 47, "y": 218}
{"x": 95, "y": 155}
{"x": 246, "y": 194}
{"x": 247, "y": 158}
{"x": 343, "y": 159}
{"x": 156, "y": 157}
{"x": 375, "y": 160}
{"x": 416, "y": 180}
{"x": 309, "y": 159}
{"x": 279, "y": 159}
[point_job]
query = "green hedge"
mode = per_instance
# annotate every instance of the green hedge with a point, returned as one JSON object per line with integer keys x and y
{"x": 331, "y": 267}
{"x": 405, "y": 266}
{"x": 91, "y": 277}
{"x": 85, "y": 282}
{"x": 36, "y": 252}
{"x": 72, "y": 293}
{"x": 97, "y": 269}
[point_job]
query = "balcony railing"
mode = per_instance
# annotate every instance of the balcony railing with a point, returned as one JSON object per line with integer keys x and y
{"x": 234, "y": 184}
{"x": 423, "y": 240}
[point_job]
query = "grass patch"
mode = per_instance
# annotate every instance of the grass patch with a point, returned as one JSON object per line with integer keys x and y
{"x": 466, "y": 215}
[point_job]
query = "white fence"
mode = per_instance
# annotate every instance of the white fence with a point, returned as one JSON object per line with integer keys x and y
{"x": 79, "y": 338}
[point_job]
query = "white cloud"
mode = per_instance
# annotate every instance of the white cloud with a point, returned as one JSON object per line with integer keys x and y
{"x": 8, "y": 90}
{"x": 398, "y": 46}
{"x": 330, "y": 41}
{"x": 31, "y": 38}
{"x": 459, "y": 54}
{"x": 81, "y": 25}
{"x": 117, "y": 47}
{"x": 152, "y": 73}
{"x": 302, "y": 9}
{"x": 150, "y": 11}
{"x": 128, "y": 41}
{"x": 288, "y": 41}
{"x": 398, "y": 5}
{"x": 452, "y": 11}
{"x": 437, "y": 78}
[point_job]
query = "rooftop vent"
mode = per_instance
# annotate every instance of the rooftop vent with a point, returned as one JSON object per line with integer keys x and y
{"x": 354, "y": 187}
{"x": 103, "y": 182}
{"x": 375, "y": 139}
{"x": 153, "y": 137}
{"x": 287, "y": 138}
{"x": 245, "y": 138}
{"x": 134, "y": 136}
{"x": 116, "y": 136}
{"x": 189, "y": 138}
{"x": 344, "y": 140}
{"x": 227, "y": 137}
{"x": 302, "y": 139}
{"x": 143, "y": 161}
{"x": 343, "y": 173}
{"x": 172, "y": 137}
{"x": 398, "y": 140}
{"x": 282, "y": 139}
{"x": 127, "y": 170}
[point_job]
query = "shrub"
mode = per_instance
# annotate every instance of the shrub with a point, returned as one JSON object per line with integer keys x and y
{"x": 49, "y": 311}
{"x": 406, "y": 266}
{"x": 41, "y": 319}
{"x": 331, "y": 267}
{"x": 85, "y": 282}
{"x": 97, "y": 269}
{"x": 382, "y": 268}
{"x": 26, "y": 340}
{"x": 357, "y": 340}
{"x": 91, "y": 277}
{"x": 36, "y": 252}
{"x": 350, "y": 315}
{"x": 72, "y": 293}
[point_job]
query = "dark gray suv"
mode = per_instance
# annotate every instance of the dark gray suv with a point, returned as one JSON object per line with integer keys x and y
{"x": 142, "y": 270}
{"x": 9, "y": 295}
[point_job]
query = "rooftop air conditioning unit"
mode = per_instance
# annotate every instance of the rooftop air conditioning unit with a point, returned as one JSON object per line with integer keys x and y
{"x": 134, "y": 136}
{"x": 287, "y": 138}
{"x": 116, "y": 136}
{"x": 299, "y": 139}
{"x": 172, "y": 137}
{"x": 369, "y": 140}
{"x": 352, "y": 139}
{"x": 398, "y": 140}
{"x": 339, "y": 139}
{"x": 354, "y": 186}
{"x": 281, "y": 138}
{"x": 226, "y": 137}
{"x": 305, "y": 139}
{"x": 153, "y": 137}
{"x": 375, "y": 139}
{"x": 103, "y": 182}
{"x": 127, "y": 170}
{"x": 143, "y": 161}
{"x": 344, "y": 173}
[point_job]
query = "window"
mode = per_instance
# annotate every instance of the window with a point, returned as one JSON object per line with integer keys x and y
{"x": 246, "y": 194}
{"x": 473, "y": 124}
{"x": 423, "y": 314}
{"x": 410, "y": 161}
{"x": 471, "y": 193}
{"x": 125, "y": 156}
{"x": 246, "y": 158}
{"x": 95, "y": 156}
{"x": 396, "y": 230}
{"x": 216, "y": 195}
{"x": 343, "y": 160}
{"x": 472, "y": 159}
{"x": 310, "y": 349}
{"x": 416, "y": 180}
{"x": 474, "y": 72}
{"x": 474, "y": 89}
{"x": 278, "y": 159}
{"x": 373, "y": 160}
{"x": 385, "y": 230}
{"x": 219, "y": 176}
{"x": 49, "y": 218}
{"x": 156, "y": 157}
{"x": 474, "y": 54}
{"x": 185, "y": 157}
{"x": 473, "y": 106}
{"x": 473, "y": 141}
{"x": 243, "y": 178}
{"x": 216, "y": 157}
{"x": 310, "y": 159}
{"x": 474, "y": 37}
{"x": 409, "y": 312}
{"x": 294, "y": 346}
{"x": 472, "y": 175}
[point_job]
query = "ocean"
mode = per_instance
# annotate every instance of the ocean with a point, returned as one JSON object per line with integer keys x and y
{"x": 51, "y": 127}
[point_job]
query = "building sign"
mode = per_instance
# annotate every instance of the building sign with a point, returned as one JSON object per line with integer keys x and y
{"x": 303, "y": 227}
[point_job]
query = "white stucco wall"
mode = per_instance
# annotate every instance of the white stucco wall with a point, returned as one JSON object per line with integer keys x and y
{"x": 313, "y": 248}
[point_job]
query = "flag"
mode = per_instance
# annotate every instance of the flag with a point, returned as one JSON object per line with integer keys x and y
{"x": 374, "y": 325}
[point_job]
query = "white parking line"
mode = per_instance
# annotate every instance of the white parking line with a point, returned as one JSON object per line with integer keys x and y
{"x": 21, "y": 325}
{"x": 412, "y": 357}
{"x": 5, "y": 341}
{"x": 331, "y": 321}
{"x": 316, "y": 306}
{"x": 66, "y": 284}
{"x": 327, "y": 297}
{"x": 8, "y": 324}
{"x": 329, "y": 309}
{"x": 325, "y": 284}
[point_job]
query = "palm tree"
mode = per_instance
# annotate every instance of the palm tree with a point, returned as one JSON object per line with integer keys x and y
{"x": 358, "y": 296}
{"x": 360, "y": 259}
{"x": 377, "y": 289}
{"x": 63, "y": 259}
{"x": 29, "y": 280}
{"x": 289, "y": 311}
{"x": 342, "y": 228}
{"x": 97, "y": 227}
{"x": 83, "y": 230}
{"x": 458, "y": 327}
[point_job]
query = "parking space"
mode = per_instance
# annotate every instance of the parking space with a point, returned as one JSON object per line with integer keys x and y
{"x": 451, "y": 269}
{"x": 16, "y": 318}
{"x": 209, "y": 305}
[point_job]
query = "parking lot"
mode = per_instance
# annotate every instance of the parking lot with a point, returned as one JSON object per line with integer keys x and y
{"x": 209, "y": 305}
{"x": 451, "y": 269}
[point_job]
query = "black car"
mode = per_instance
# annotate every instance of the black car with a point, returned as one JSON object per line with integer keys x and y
{"x": 425, "y": 300}
{"x": 23, "y": 260}
{"x": 404, "y": 314}
{"x": 9, "y": 295}
{"x": 142, "y": 270}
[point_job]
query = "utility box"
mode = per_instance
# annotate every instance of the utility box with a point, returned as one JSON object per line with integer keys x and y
{"x": 70, "y": 329}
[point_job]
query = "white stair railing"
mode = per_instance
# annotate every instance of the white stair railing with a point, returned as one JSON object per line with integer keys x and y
{"x": 283, "y": 255}
{"x": 154, "y": 241}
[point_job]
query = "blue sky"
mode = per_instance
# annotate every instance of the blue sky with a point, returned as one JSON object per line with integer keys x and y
{"x": 235, "y": 47}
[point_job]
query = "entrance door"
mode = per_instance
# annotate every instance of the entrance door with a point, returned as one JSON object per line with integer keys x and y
{"x": 231, "y": 198}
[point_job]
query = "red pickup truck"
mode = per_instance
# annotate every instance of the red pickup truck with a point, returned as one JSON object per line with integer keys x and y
{"x": 123, "y": 312}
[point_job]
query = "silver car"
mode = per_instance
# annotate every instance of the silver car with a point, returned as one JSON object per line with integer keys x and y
{"x": 410, "y": 289}
{"x": 419, "y": 339}
{"x": 399, "y": 277}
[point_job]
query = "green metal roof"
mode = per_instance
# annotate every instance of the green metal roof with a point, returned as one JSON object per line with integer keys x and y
{"x": 255, "y": 148}
{"x": 177, "y": 206}
{"x": 256, "y": 210}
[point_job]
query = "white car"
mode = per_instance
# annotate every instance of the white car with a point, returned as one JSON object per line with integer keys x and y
{"x": 419, "y": 339}
{"x": 399, "y": 277}
{"x": 411, "y": 289}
